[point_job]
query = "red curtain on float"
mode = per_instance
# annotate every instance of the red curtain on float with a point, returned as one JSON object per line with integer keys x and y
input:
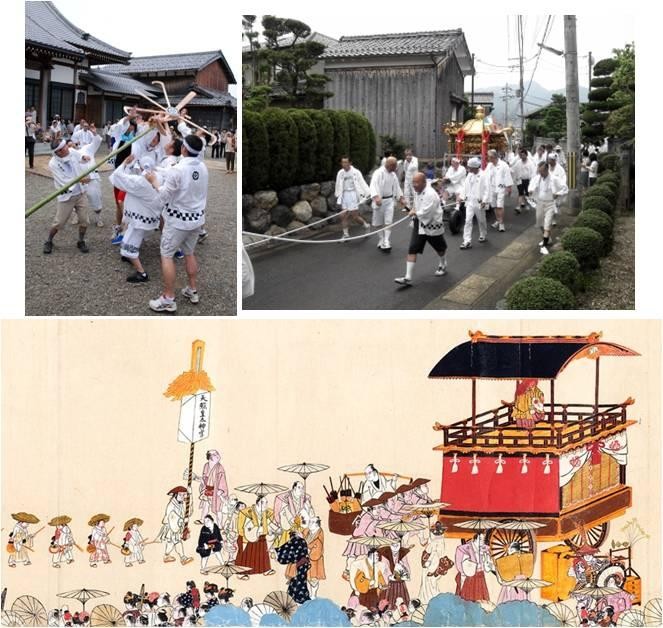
{"x": 460, "y": 140}
{"x": 485, "y": 137}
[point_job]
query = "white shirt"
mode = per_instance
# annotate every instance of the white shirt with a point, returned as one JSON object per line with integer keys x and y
{"x": 385, "y": 184}
{"x": 559, "y": 173}
{"x": 547, "y": 189}
{"x": 82, "y": 137}
{"x": 593, "y": 169}
{"x": 65, "y": 170}
{"x": 456, "y": 175}
{"x": 474, "y": 191}
{"x": 499, "y": 176}
{"x": 410, "y": 168}
{"x": 429, "y": 211}
{"x": 522, "y": 170}
{"x": 184, "y": 194}
{"x": 352, "y": 179}
{"x": 142, "y": 206}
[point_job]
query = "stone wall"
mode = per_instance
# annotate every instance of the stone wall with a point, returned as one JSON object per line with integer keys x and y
{"x": 274, "y": 213}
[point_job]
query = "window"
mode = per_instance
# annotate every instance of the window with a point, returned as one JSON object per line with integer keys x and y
{"x": 31, "y": 94}
{"x": 114, "y": 110}
{"x": 61, "y": 101}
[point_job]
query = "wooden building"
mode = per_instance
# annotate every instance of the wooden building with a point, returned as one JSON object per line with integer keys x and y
{"x": 206, "y": 73}
{"x": 407, "y": 84}
{"x": 56, "y": 54}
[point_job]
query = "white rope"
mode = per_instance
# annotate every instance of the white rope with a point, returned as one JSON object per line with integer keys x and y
{"x": 282, "y": 238}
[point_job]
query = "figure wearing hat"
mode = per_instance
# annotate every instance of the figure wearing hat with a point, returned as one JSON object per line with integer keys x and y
{"x": 20, "y": 540}
{"x": 133, "y": 542}
{"x": 62, "y": 541}
{"x": 173, "y": 525}
{"x": 528, "y": 404}
{"x": 434, "y": 563}
{"x": 99, "y": 540}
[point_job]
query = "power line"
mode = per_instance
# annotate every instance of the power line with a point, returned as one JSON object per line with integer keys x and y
{"x": 546, "y": 32}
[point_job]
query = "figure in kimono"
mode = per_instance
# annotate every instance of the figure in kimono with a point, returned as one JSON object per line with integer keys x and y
{"x": 375, "y": 484}
{"x": 20, "y": 539}
{"x": 294, "y": 553}
{"x": 399, "y": 574}
{"x": 133, "y": 542}
{"x": 369, "y": 578}
{"x": 434, "y": 563}
{"x": 365, "y": 524}
{"x": 528, "y": 404}
{"x": 315, "y": 539}
{"x": 213, "y": 486}
{"x": 289, "y": 509}
{"x": 209, "y": 542}
{"x": 99, "y": 540}
{"x": 254, "y": 525}
{"x": 473, "y": 561}
{"x": 173, "y": 526}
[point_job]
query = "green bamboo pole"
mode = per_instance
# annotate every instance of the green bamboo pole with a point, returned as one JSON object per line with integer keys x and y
{"x": 90, "y": 170}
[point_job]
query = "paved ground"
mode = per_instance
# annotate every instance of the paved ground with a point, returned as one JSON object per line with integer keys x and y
{"x": 356, "y": 275}
{"x": 69, "y": 283}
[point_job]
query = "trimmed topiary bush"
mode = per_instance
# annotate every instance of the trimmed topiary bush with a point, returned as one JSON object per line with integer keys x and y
{"x": 563, "y": 267}
{"x": 598, "y": 202}
{"x": 601, "y": 81}
{"x": 605, "y": 67}
{"x": 341, "y": 136}
{"x": 601, "y": 190}
{"x": 307, "y": 145}
{"x": 609, "y": 176}
{"x": 325, "y": 169}
{"x": 586, "y": 244}
{"x": 599, "y": 94}
{"x": 255, "y": 153}
{"x": 358, "y": 127}
{"x": 539, "y": 293}
{"x": 609, "y": 161}
{"x": 283, "y": 148}
{"x": 601, "y": 223}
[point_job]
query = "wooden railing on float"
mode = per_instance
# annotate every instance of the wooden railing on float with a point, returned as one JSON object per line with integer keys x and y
{"x": 568, "y": 424}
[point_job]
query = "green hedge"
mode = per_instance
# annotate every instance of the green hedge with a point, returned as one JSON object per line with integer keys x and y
{"x": 601, "y": 81}
{"x": 601, "y": 223}
{"x": 324, "y": 165}
{"x": 609, "y": 161}
{"x": 341, "y": 136}
{"x": 598, "y": 202}
{"x": 284, "y": 147}
{"x": 539, "y": 293}
{"x": 563, "y": 267}
{"x": 599, "y": 94}
{"x": 255, "y": 152}
{"x": 605, "y": 67}
{"x": 601, "y": 190}
{"x": 308, "y": 146}
{"x": 609, "y": 175}
{"x": 586, "y": 244}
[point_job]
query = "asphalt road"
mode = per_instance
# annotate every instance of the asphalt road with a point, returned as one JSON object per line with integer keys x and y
{"x": 358, "y": 276}
{"x": 69, "y": 283}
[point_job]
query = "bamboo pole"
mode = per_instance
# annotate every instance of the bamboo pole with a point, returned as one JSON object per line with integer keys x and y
{"x": 89, "y": 171}
{"x": 197, "y": 353}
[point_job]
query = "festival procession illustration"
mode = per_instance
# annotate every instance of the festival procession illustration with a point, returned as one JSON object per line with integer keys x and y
{"x": 529, "y": 490}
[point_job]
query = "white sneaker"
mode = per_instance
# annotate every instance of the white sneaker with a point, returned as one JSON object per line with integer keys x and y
{"x": 380, "y": 243}
{"x": 345, "y": 236}
{"x": 482, "y": 238}
{"x": 495, "y": 224}
{"x": 466, "y": 245}
{"x": 162, "y": 305}
{"x": 501, "y": 227}
{"x": 544, "y": 251}
{"x": 190, "y": 294}
{"x": 404, "y": 281}
{"x": 441, "y": 269}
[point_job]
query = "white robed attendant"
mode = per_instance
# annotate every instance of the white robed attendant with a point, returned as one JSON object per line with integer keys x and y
{"x": 350, "y": 189}
{"x": 410, "y": 167}
{"x": 135, "y": 542}
{"x": 455, "y": 174}
{"x": 473, "y": 193}
{"x": 385, "y": 191}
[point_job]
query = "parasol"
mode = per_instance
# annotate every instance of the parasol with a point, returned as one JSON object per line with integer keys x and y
{"x": 83, "y": 595}
{"x": 595, "y": 592}
{"x": 527, "y": 585}
{"x": 106, "y": 615}
{"x": 478, "y": 524}
{"x": 373, "y": 542}
{"x": 282, "y": 603}
{"x": 62, "y": 520}
{"x": 426, "y": 510}
{"x": 261, "y": 488}
{"x": 304, "y": 469}
{"x": 30, "y": 610}
{"x": 228, "y": 569}
{"x": 521, "y": 524}
{"x": 401, "y": 527}
{"x": 631, "y": 617}
{"x": 419, "y": 615}
{"x": 652, "y": 610}
{"x": 258, "y": 611}
{"x": 9, "y": 618}
{"x": 562, "y": 613}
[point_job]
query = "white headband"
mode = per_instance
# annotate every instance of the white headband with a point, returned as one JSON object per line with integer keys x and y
{"x": 61, "y": 145}
{"x": 190, "y": 148}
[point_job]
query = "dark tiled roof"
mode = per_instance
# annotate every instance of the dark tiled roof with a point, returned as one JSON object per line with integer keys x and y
{"x": 46, "y": 26}
{"x": 207, "y": 98}
{"x": 288, "y": 39}
{"x": 426, "y": 42}
{"x": 116, "y": 83}
{"x": 193, "y": 61}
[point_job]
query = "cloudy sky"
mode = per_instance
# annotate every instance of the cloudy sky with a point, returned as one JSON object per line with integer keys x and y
{"x": 492, "y": 38}
{"x": 145, "y": 29}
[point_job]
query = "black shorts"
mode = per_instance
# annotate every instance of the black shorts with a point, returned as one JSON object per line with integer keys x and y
{"x": 418, "y": 241}
{"x": 522, "y": 187}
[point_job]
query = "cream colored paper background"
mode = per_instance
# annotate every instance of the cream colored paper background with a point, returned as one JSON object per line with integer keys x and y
{"x": 86, "y": 429}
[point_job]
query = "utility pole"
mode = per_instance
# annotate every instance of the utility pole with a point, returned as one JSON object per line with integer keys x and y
{"x": 522, "y": 88}
{"x": 591, "y": 65}
{"x": 507, "y": 95}
{"x": 572, "y": 108}
{"x": 472, "y": 96}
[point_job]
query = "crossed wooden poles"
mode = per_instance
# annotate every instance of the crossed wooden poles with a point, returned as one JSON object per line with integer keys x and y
{"x": 173, "y": 113}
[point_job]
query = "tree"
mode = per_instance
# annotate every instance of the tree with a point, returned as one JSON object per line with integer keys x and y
{"x": 620, "y": 123}
{"x": 289, "y": 55}
{"x": 549, "y": 121}
{"x": 252, "y": 37}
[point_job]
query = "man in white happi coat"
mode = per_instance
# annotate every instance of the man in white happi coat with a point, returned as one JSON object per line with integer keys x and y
{"x": 557, "y": 171}
{"x": 66, "y": 165}
{"x": 350, "y": 191}
{"x": 173, "y": 525}
{"x": 142, "y": 210}
{"x": 385, "y": 191}
{"x": 499, "y": 185}
{"x": 375, "y": 484}
{"x": 213, "y": 487}
{"x": 546, "y": 189}
{"x": 88, "y": 148}
{"x": 428, "y": 227}
{"x": 410, "y": 167}
{"x": 184, "y": 196}
{"x": 474, "y": 193}
{"x": 84, "y": 135}
{"x": 522, "y": 172}
{"x": 454, "y": 180}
